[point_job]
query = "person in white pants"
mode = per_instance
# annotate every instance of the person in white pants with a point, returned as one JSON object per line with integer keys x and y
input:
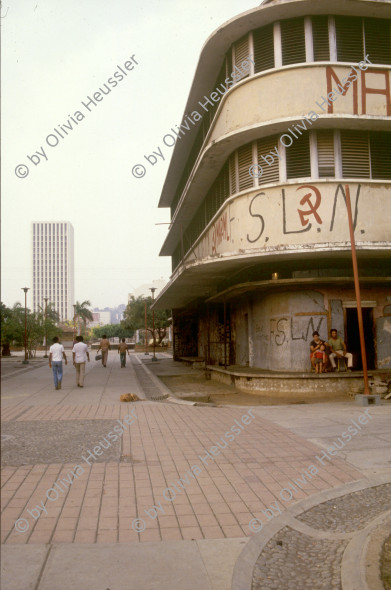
{"x": 338, "y": 348}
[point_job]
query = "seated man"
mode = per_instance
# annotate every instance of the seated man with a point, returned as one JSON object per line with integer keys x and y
{"x": 338, "y": 350}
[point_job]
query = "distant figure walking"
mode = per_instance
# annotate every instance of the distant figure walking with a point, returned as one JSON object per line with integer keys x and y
{"x": 80, "y": 355}
{"x": 56, "y": 354}
{"x": 122, "y": 350}
{"x": 104, "y": 346}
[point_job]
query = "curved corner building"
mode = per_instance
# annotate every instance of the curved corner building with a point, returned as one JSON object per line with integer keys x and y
{"x": 289, "y": 109}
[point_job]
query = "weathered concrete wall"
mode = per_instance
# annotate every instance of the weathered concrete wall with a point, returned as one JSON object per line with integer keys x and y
{"x": 282, "y": 326}
{"x": 297, "y": 217}
{"x": 383, "y": 332}
{"x": 241, "y": 320}
{"x": 273, "y": 332}
{"x": 306, "y": 385}
{"x": 315, "y": 81}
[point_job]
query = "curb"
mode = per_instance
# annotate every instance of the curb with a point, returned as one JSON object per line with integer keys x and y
{"x": 355, "y": 560}
{"x": 167, "y": 394}
{"x": 244, "y": 567}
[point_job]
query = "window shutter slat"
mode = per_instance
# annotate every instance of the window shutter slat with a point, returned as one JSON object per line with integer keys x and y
{"x": 320, "y": 38}
{"x": 292, "y": 41}
{"x": 325, "y": 143}
{"x": 241, "y": 51}
{"x": 269, "y": 173}
{"x": 355, "y": 154}
{"x": 380, "y": 142}
{"x": 349, "y": 38}
{"x": 232, "y": 173}
{"x": 298, "y": 163}
{"x": 245, "y": 160}
{"x": 263, "y": 48}
{"x": 378, "y": 40}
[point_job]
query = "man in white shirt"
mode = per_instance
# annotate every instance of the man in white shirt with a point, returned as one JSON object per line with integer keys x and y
{"x": 80, "y": 355}
{"x": 56, "y": 354}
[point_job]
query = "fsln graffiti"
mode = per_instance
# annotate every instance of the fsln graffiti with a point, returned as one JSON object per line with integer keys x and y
{"x": 341, "y": 190}
{"x": 261, "y": 220}
{"x": 283, "y": 329}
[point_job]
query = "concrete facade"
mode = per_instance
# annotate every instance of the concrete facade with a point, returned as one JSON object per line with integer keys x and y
{"x": 53, "y": 273}
{"x": 291, "y": 109}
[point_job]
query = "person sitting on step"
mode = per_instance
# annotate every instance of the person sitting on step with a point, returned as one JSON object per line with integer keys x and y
{"x": 338, "y": 350}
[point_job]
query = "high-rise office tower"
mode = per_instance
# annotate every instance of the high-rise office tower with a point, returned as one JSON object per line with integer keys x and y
{"x": 53, "y": 266}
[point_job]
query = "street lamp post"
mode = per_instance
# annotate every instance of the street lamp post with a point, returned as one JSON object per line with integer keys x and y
{"x": 74, "y": 322}
{"x": 46, "y": 299}
{"x": 25, "y": 289}
{"x": 358, "y": 295}
{"x": 153, "y": 289}
{"x": 146, "y": 330}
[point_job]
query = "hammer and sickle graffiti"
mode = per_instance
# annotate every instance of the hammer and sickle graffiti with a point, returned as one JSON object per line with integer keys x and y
{"x": 312, "y": 207}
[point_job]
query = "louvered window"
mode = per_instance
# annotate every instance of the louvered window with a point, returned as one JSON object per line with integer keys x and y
{"x": 320, "y": 38}
{"x": 378, "y": 40}
{"x": 355, "y": 154}
{"x": 232, "y": 173}
{"x": 357, "y": 37}
{"x": 349, "y": 30}
{"x": 217, "y": 194}
{"x": 298, "y": 164}
{"x": 292, "y": 41}
{"x": 245, "y": 160}
{"x": 263, "y": 48}
{"x": 380, "y": 145}
{"x": 325, "y": 143}
{"x": 241, "y": 53}
{"x": 264, "y": 147}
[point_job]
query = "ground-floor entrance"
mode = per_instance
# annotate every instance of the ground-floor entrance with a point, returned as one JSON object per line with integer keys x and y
{"x": 353, "y": 336}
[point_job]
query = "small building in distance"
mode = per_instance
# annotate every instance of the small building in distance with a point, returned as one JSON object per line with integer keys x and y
{"x": 289, "y": 109}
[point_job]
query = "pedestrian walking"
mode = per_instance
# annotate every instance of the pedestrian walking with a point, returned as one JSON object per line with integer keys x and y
{"x": 104, "y": 346}
{"x": 56, "y": 354}
{"x": 80, "y": 355}
{"x": 122, "y": 350}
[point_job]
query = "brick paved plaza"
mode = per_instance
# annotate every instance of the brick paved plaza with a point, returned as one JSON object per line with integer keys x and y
{"x": 46, "y": 433}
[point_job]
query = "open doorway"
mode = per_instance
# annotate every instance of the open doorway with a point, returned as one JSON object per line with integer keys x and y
{"x": 353, "y": 336}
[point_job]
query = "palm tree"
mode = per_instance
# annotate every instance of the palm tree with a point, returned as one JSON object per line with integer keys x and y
{"x": 82, "y": 312}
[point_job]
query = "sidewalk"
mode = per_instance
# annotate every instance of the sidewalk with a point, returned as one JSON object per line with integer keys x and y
{"x": 196, "y": 521}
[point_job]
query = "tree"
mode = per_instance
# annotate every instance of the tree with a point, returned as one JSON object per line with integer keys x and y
{"x": 12, "y": 327}
{"x": 134, "y": 318}
{"x": 82, "y": 312}
{"x": 112, "y": 331}
{"x": 37, "y": 325}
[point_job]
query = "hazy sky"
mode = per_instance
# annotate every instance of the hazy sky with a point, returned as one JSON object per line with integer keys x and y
{"x": 54, "y": 55}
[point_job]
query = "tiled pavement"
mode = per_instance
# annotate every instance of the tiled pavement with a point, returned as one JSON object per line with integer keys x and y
{"x": 86, "y": 537}
{"x": 157, "y": 449}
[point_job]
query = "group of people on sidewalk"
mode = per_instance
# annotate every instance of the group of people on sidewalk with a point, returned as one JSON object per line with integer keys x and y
{"x": 104, "y": 346}
{"x": 80, "y": 356}
{"x": 323, "y": 354}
